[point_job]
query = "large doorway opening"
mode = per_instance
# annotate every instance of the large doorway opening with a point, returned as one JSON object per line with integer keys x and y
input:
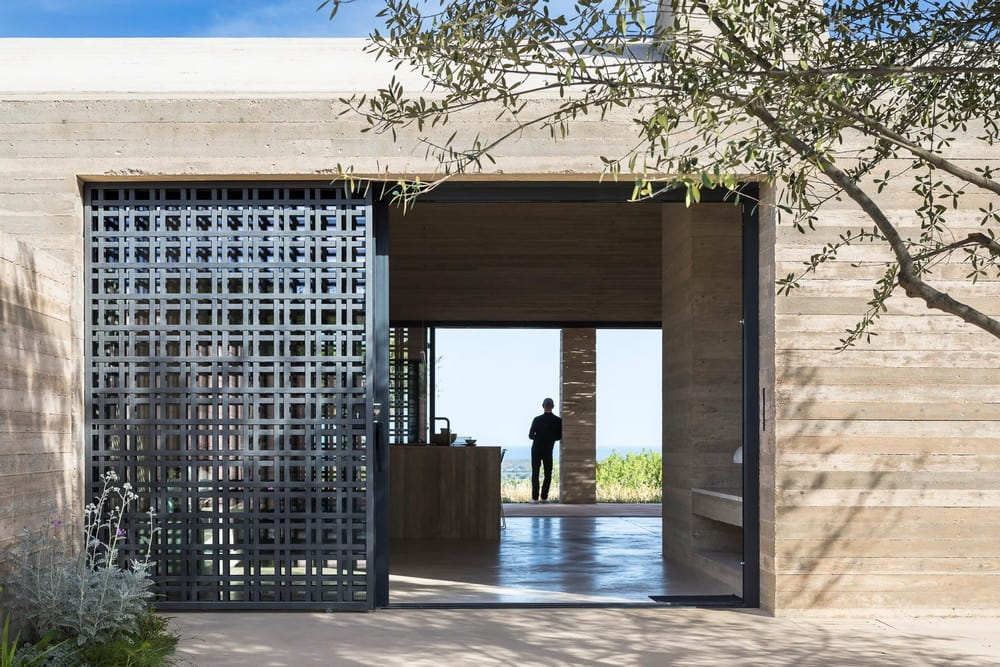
{"x": 577, "y": 260}
{"x": 242, "y": 352}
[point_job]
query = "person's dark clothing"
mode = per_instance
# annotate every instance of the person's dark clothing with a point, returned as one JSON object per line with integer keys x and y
{"x": 541, "y": 456}
{"x": 546, "y": 428}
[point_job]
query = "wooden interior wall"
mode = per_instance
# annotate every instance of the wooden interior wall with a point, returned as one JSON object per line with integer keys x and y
{"x": 525, "y": 262}
{"x": 886, "y": 464}
{"x": 702, "y": 380}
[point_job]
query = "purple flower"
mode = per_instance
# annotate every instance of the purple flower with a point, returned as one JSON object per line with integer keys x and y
{"x": 120, "y": 532}
{"x": 57, "y": 523}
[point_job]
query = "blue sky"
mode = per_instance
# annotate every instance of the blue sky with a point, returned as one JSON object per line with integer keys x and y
{"x": 491, "y": 382}
{"x": 182, "y": 18}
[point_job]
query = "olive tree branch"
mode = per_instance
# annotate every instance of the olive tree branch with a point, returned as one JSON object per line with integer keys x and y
{"x": 909, "y": 274}
{"x": 866, "y": 120}
{"x": 974, "y": 239}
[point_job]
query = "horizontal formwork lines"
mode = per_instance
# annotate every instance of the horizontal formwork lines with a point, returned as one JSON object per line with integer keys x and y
{"x": 973, "y": 445}
{"x": 964, "y": 363}
{"x": 908, "y": 462}
{"x": 878, "y": 428}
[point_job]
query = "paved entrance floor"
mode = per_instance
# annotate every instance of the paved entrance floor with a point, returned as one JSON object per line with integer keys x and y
{"x": 575, "y": 559}
{"x": 586, "y": 637}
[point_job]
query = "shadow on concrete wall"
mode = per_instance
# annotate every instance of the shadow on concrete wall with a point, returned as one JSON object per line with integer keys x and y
{"x": 39, "y": 462}
{"x": 827, "y": 544}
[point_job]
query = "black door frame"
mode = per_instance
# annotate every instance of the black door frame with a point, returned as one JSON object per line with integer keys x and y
{"x": 751, "y": 407}
{"x": 584, "y": 192}
{"x": 378, "y": 378}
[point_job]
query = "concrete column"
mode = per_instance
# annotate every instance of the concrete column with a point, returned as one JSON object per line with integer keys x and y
{"x": 578, "y": 451}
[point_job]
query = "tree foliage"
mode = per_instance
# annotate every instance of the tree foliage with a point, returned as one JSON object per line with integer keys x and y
{"x": 822, "y": 102}
{"x": 631, "y": 469}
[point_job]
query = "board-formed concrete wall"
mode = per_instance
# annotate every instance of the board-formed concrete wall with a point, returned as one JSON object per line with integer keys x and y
{"x": 578, "y": 409}
{"x": 880, "y": 466}
{"x": 39, "y": 397}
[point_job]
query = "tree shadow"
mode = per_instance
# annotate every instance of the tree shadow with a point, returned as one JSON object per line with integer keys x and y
{"x": 556, "y": 637}
{"x": 39, "y": 399}
{"x": 834, "y": 528}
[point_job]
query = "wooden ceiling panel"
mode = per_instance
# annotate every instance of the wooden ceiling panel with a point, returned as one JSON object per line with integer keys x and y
{"x": 525, "y": 262}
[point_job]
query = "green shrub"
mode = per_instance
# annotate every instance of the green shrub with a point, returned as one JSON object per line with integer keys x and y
{"x": 633, "y": 477}
{"x": 631, "y": 470}
{"x": 62, "y": 654}
{"x": 151, "y": 645}
{"x": 8, "y": 647}
{"x": 14, "y": 654}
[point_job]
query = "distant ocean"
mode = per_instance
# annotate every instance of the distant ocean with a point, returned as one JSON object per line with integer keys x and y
{"x": 523, "y": 452}
{"x": 517, "y": 460}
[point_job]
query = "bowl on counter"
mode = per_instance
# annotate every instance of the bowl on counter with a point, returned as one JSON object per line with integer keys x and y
{"x": 470, "y": 442}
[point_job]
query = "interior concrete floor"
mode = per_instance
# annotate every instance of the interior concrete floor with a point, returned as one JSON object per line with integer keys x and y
{"x": 546, "y": 559}
{"x": 595, "y": 509}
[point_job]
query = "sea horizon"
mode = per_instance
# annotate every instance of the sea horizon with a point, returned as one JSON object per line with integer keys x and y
{"x": 523, "y": 452}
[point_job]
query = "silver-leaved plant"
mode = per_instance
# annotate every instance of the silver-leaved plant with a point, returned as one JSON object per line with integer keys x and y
{"x": 83, "y": 591}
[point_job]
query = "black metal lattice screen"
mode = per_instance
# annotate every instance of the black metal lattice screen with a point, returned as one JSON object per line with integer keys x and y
{"x": 227, "y": 330}
{"x": 404, "y": 389}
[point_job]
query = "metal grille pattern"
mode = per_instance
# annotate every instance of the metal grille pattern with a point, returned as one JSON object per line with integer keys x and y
{"x": 404, "y": 389}
{"x": 226, "y": 340}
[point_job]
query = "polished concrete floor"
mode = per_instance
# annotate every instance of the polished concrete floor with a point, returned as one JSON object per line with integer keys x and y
{"x": 595, "y": 509}
{"x": 546, "y": 559}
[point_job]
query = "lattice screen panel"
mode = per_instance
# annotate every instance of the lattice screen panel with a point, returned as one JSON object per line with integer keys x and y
{"x": 404, "y": 388}
{"x": 226, "y": 340}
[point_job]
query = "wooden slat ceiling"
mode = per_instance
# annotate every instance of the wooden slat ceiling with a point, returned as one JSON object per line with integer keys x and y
{"x": 523, "y": 263}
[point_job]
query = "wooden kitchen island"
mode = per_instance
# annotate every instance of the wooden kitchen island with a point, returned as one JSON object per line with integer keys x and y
{"x": 444, "y": 493}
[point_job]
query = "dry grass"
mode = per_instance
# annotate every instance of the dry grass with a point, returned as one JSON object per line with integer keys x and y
{"x": 519, "y": 491}
{"x": 621, "y": 493}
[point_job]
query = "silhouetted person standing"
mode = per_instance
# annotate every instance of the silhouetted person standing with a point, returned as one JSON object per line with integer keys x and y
{"x": 546, "y": 428}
